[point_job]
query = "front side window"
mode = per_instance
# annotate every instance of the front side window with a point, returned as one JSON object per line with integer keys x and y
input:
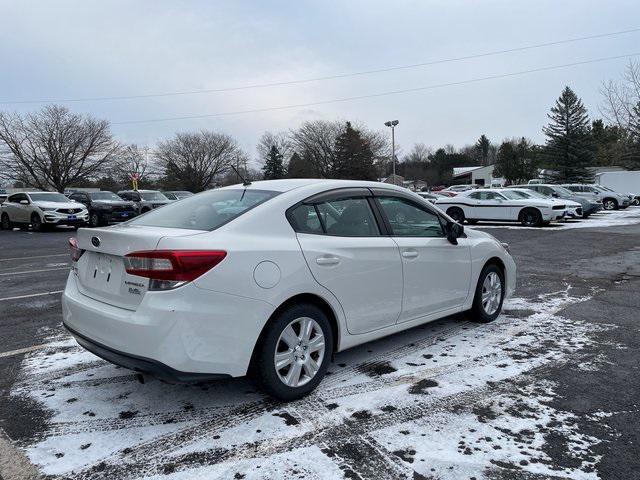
{"x": 206, "y": 211}
{"x": 17, "y": 198}
{"x": 408, "y": 220}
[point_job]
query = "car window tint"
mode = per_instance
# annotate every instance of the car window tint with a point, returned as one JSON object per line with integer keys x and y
{"x": 351, "y": 217}
{"x": 475, "y": 195}
{"x": 408, "y": 220}
{"x": 304, "y": 219}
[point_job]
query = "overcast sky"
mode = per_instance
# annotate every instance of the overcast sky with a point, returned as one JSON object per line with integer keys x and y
{"x": 79, "y": 49}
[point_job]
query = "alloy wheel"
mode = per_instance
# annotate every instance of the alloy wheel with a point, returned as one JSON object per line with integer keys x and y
{"x": 299, "y": 352}
{"x": 491, "y": 293}
{"x": 94, "y": 220}
{"x": 609, "y": 205}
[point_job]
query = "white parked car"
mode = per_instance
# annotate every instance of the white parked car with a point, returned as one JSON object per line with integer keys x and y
{"x": 273, "y": 278}
{"x": 572, "y": 209}
{"x": 40, "y": 210}
{"x": 503, "y": 205}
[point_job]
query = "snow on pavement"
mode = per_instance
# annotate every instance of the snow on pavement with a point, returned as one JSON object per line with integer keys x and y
{"x": 602, "y": 219}
{"x": 449, "y": 399}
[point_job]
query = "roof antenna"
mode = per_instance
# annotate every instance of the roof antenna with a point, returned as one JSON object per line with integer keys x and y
{"x": 245, "y": 182}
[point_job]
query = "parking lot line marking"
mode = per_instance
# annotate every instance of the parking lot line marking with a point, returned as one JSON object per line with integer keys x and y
{"x": 34, "y": 271}
{"x": 31, "y": 295}
{"x": 34, "y": 256}
{"x": 18, "y": 351}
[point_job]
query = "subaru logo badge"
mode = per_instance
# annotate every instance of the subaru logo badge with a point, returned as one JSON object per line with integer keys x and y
{"x": 95, "y": 241}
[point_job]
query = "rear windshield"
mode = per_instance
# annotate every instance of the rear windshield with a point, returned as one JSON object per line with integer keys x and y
{"x": 205, "y": 211}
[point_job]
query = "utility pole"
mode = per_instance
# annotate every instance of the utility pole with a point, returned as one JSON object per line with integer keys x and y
{"x": 392, "y": 124}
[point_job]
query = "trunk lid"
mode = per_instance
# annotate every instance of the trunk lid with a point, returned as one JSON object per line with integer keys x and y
{"x": 101, "y": 270}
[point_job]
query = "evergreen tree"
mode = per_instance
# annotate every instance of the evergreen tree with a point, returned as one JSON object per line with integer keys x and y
{"x": 300, "y": 167}
{"x": 354, "y": 158}
{"x": 515, "y": 161}
{"x": 482, "y": 147}
{"x": 273, "y": 167}
{"x": 569, "y": 148}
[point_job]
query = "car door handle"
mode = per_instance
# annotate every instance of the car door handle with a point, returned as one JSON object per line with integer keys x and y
{"x": 327, "y": 260}
{"x": 410, "y": 253}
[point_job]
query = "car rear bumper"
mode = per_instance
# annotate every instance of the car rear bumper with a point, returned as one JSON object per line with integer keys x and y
{"x": 183, "y": 333}
{"x": 141, "y": 364}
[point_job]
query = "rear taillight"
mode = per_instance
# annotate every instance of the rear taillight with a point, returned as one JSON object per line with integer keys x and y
{"x": 170, "y": 267}
{"x": 76, "y": 252}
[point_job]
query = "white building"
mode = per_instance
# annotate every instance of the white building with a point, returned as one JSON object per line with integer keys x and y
{"x": 482, "y": 176}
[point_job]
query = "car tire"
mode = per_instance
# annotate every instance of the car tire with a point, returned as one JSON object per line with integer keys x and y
{"x": 36, "y": 223}
{"x": 296, "y": 363}
{"x": 610, "y": 204}
{"x": 486, "y": 304}
{"x": 5, "y": 222}
{"x": 94, "y": 220}
{"x": 456, "y": 214}
{"x": 531, "y": 217}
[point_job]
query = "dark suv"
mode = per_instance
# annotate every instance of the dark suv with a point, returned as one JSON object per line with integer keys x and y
{"x": 105, "y": 207}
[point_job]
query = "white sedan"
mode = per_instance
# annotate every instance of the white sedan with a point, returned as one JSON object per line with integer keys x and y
{"x": 504, "y": 205}
{"x": 273, "y": 278}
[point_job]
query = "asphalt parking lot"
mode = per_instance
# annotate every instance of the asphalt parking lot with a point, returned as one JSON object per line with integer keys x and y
{"x": 547, "y": 391}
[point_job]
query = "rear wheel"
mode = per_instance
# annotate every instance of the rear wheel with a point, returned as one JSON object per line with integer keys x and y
{"x": 487, "y": 303}
{"x": 530, "y": 217}
{"x": 610, "y": 204}
{"x": 456, "y": 213}
{"x": 294, "y": 352}
{"x": 5, "y": 222}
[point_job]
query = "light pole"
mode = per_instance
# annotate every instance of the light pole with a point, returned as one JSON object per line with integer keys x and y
{"x": 392, "y": 124}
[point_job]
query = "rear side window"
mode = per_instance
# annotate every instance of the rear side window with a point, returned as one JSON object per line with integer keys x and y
{"x": 305, "y": 219}
{"x": 205, "y": 211}
{"x": 349, "y": 217}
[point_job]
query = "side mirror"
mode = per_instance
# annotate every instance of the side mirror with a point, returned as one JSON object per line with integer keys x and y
{"x": 453, "y": 231}
{"x": 24, "y": 202}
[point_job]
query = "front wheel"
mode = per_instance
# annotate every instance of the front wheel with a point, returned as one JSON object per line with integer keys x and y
{"x": 294, "y": 353}
{"x": 94, "y": 220}
{"x": 531, "y": 218}
{"x": 36, "y": 223}
{"x": 610, "y": 204}
{"x": 487, "y": 303}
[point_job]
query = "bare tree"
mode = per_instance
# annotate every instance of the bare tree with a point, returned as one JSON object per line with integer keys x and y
{"x": 279, "y": 140}
{"x": 419, "y": 154}
{"x": 193, "y": 161}
{"x": 53, "y": 148}
{"x": 315, "y": 142}
{"x": 133, "y": 160}
{"x": 621, "y": 97}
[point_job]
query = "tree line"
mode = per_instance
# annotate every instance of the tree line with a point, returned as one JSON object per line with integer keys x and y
{"x": 55, "y": 149}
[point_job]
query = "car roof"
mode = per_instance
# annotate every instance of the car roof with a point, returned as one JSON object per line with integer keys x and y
{"x": 289, "y": 184}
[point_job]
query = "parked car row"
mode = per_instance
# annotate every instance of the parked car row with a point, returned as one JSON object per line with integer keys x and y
{"x": 80, "y": 208}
